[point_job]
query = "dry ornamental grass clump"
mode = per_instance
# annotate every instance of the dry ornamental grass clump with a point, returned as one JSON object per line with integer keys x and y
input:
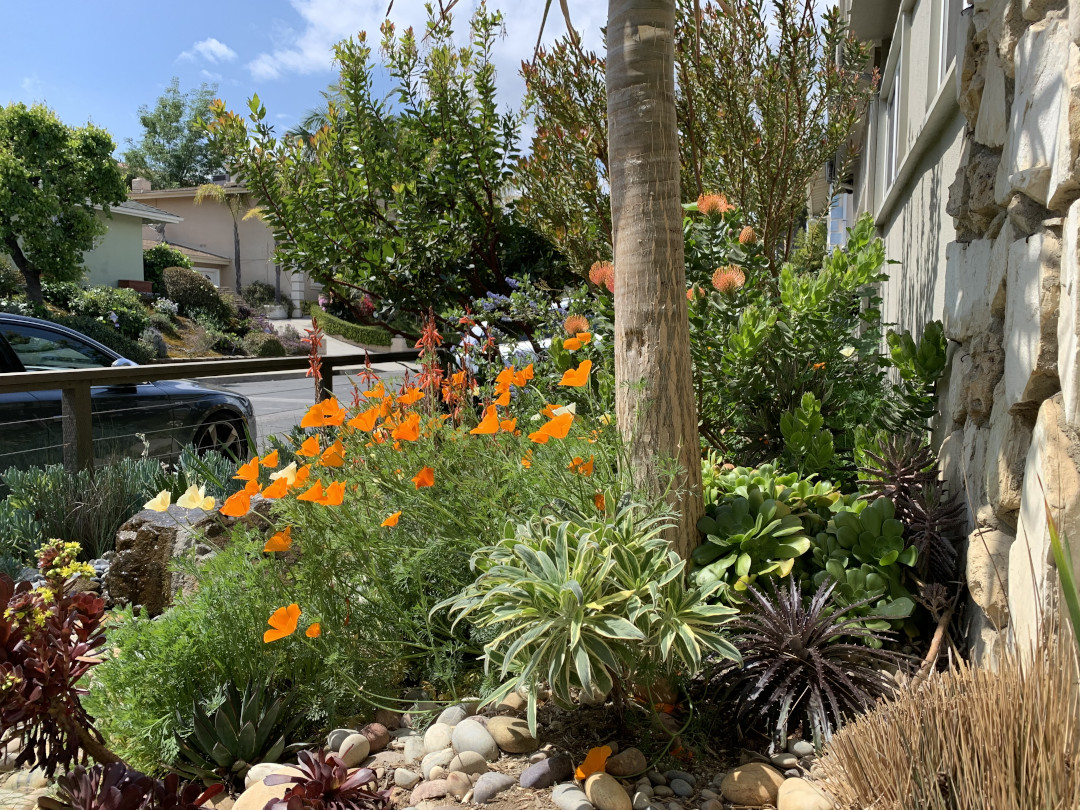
{"x": 969, "y": 739}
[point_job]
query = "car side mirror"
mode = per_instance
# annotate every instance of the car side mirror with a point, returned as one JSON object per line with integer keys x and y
{"x": 123, "y": 362}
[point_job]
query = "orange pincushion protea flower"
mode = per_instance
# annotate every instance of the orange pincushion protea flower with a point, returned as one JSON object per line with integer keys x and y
{"x": 597, "y": 271}
{"x": 728, "y": 279}
{"x": 576, "y": 323}
{"x": 747, "y": 235}
{"x": 714, "y": 204}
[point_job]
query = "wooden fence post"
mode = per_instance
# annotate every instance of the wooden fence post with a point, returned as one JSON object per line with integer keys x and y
{"x": 76, "y": 417}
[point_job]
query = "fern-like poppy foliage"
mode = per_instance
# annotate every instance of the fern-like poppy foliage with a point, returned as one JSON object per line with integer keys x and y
{"x": 805, "y": 660}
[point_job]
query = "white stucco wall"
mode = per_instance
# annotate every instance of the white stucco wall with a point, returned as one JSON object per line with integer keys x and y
{"x": 118, "y": 255}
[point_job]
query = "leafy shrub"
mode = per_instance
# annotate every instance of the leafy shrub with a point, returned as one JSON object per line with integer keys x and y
{"x": 357, "y": 333}
{"x": 166, "y": 307}
{"x": 260, "y": 344}
{"x": 324, "y": 783}
{"x": 20, "y": 306}
{"x": 108, "y": 336}
{"x": 121, "y": 307}
{"x": 589, "y": 603}
{"x": 61, "y": 294}
{"x": 765, "y": 342}
{"x": 259, "y": 294}
{"x": 48, "y": 638}
{"x": 803, "y": 662}
{"x": 154, "y": 342}
{"x": 11, "y": 280}
{"x": 193, "y": 292}
{"x": 405, "y": 546}
{"x": 291, "y": 340}
{"x": 20, "y": 534}
{"x": 117, "y": 787}
{"x": 163, "y": 323}
{"x": 159, "y": 257}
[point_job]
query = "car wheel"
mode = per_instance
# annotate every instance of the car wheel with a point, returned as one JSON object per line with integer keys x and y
{"x": 221, "y": 436}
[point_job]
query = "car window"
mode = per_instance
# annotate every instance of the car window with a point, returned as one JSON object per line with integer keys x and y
{"x": 45, "y": 350}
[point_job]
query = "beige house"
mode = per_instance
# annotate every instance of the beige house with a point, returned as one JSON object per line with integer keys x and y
{"x": 117, "y": 256}
{"x": 205, "y": 233}
{"x": 968, "y": 162}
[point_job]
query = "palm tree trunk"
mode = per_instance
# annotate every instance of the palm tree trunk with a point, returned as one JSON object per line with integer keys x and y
{"x": 236, "y": 252}
{"x": 654, "y": 399}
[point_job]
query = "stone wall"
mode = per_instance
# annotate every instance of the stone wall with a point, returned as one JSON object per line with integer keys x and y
{"x": 1009, "y": 414}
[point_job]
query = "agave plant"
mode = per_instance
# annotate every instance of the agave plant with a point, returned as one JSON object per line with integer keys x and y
{"x": 324, "y": 783}
{"x": 246, "y": 729}
{"x": 117, "y": 787}
{"x": 805, "y": 661}
{"x": 589, "y": 603}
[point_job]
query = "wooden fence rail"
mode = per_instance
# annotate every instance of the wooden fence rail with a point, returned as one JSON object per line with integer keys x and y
{"x": 75, "y": 385}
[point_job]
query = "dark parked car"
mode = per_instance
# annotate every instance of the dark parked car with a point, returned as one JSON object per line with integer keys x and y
{"x": 168, "y": 414}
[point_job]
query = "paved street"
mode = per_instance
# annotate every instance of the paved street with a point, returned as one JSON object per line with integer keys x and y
{"x": 281, "y": 403}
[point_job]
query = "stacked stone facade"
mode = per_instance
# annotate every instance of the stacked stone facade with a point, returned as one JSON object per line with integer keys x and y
{"x": 1009, "y": 415}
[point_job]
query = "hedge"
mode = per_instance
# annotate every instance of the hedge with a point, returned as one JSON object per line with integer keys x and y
{"x": 357, "y": 333}
{"x": 102, "y": 333}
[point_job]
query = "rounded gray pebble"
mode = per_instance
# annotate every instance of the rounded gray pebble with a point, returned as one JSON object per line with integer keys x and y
{"x": 336, "y": 737}
{"x": 690, "y": 779}
{"x": 657, "y": 778}
{"x": 792, "y": 773}
{"x": 674, "y": 806}
{"x": 663, "y": 791}
{"x": 680, "y": 787}
{"x": 641, "y": 801}
{"x": 491, "y": 784}
{"x": 709, "y": 794}
{"x": 784, "y": 761}
{"x": 801, "y": 748}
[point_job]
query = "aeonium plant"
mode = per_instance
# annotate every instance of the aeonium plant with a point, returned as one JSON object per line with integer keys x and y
{"x": 48, "y": 639}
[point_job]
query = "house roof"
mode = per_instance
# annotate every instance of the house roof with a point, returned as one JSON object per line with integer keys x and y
{"x": 130, "y": 208}
{"x": 188, "y": 191}
{"x": 197, "y": 256}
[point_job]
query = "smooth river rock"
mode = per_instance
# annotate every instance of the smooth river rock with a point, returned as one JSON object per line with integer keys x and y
{"x": 547, "y": 772}
{"x": 798, "y": 794}
{"x": 468, "y": 762}
{"x": 753, "y": 785}
{"x": 437, "y": 737}
{"x": 491, "y": 784}
{"x": 469, "y": 735}
{"x": 570, "y": 797}
{"x": 627, "y": 763}
{"x": 604, "y": 791}
{"x": 512, "y": 735}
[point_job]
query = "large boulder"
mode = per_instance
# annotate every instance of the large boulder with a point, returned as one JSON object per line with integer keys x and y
{"x": 1051, "y": 478}
{"x": 988, "y": 573}
{"x": 146, "y": 545}
{"x": 1068, "y": 324}
{"x": 1031, "y": 313}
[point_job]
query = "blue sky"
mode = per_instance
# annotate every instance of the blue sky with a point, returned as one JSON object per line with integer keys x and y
{"x": 98, "y": 61}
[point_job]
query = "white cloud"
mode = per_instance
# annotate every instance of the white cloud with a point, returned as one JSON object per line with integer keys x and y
{"x": 31, "y": 85}
{"x": 305, "y": 46}
{"x": 210, "y": 76}
{"x": 211, "y": 49}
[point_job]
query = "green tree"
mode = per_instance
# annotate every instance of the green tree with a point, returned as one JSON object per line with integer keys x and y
{"x": 404, "y": 200}
{"x": 174, "y": 150}
{"x": 52, "y": 178}
{"x": 762, "y": 103}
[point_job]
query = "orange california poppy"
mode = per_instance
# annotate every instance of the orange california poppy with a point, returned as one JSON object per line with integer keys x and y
{"x": 334, "y": 455}
{"x": 237, "y": 505}
{"x": 599, "y": 502}
{"x": 539, "y": 436}
{"x": 411, "y": 396}
{"x": 489, "y": 425}
{"x": 335, "y": 494}
{"x": 503, "y": 399}
{"x": 282, "y": 623}
{"x": 301, "y": 477}
{"x": 584, "y": 337}
{"x": 249, "y": 471}
{"x": 378, "y": 392}
{"x": 424, "y": 478}
{"x": 251, "y": 487}
{"x": 314, "y": 630}
{"x": 315, "y": 494}
{"x": 323, "y": 414}
{"x": 366, "y": 420}
{"x": 526, "y": 462}
{"x": 549, "y": 410}
{"x": 277, "y": 489}
{"x": 558, "y": 426}
{"x": 572, "y": 344}
{"x": 504, "y": 378}
{"x": 522, "y": 377}
{"x": 392, "y": 520}
{"x": 508, "y": 425}
{"x": 282, "y": 541}
{"x": 310, "y": 447}
{"x": 818, "y": 366}
{"x": 270, "y": 460}
{"x": 595, "y": 761}
{"x": 409, "y": 430}
{"x": 577, "y": 377}
{"x": 582, "y": 467}
{"x": 458, "y": 378}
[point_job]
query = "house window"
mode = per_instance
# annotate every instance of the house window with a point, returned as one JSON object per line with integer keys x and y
{"x": 950, "y": 20}
{"x": 211, "y": 274}
{"x": 892, "y": 131}
{"x": 840, "y": 218}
